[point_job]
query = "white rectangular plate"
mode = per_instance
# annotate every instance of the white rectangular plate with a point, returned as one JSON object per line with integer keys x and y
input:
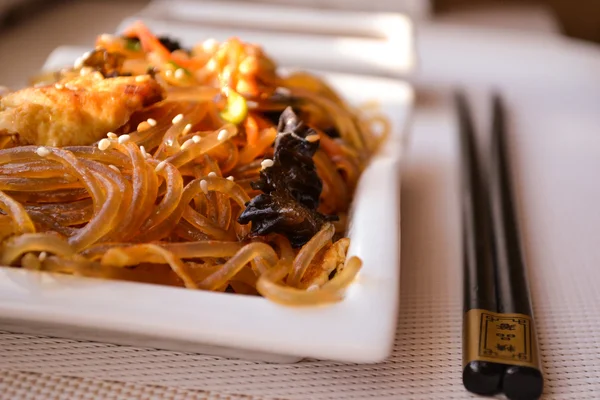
{"x": 358, "y": 329}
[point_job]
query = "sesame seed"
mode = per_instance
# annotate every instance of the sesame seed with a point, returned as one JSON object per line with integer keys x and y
{"x": 211, "y": 174}
{"x": 178, "y": 118}
{"x": 142, "y": 78}
{"x": 226, "y": 73}
{"x": 251, "y": 104}
{"x": 98, "y": 75}
{"x": 104, "y": 144}
{"x": 187, "y": 129}
{"x": 312, "y": 138}
{"x": 123, "y": 139}
{"x": 266, "y": 163}
{"x": 248, "y": 66}
{"x": 160, "y": 166}
{"x": 169, "y": 142}
{"x": 111, "y": 135}
{"x": 59, "y": 86}
{"x": 230, "y": 178}
{"x": 142, "y": 126}
{"x": 78, "y": 62}
{"x": 151, "y": 121}
{"x": 196, "y": 138}
{"x": 86, "y": 71}
{"x": 179, "y": 73}
{"x": 42, "y": 151}
{"x": 186, "y": 144}
{"x": 169, "y": 73}
{"x": 114, "y": 168}
{"x": 204, "y": 186}
{"x": 312, "y": 288}
{"x": 211, "y": 65}
{"x": 209, "y": 45}
{"x": 283, "y": 91}
{"x": 42, "y": 256}
{"x": 222, "y": 134}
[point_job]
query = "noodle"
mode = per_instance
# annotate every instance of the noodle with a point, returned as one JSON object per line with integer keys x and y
{"x": 171, "y": 198}
{"x": 159, "y": 198}
{"x": 237, "y": 262}
{"x": 17, "y": 213}
{"x": 122, "y": 257}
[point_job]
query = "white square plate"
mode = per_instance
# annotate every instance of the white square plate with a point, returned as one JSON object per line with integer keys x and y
{"x": 358, "y": 329}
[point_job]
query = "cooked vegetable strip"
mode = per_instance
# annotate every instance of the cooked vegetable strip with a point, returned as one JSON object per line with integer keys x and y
{"x": 201, "y": 168}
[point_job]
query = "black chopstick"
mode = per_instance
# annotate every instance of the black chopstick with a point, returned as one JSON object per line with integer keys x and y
{"x": 479, "y": 376}
{"x": 500, "y": 352}
{"x": 517, "y": 345}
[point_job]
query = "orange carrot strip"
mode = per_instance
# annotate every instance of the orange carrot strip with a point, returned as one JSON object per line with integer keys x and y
{"x": 151, "y": 43}
{"x": 148, "y": 40}
{"x": 251, "y": 127}
{"x": 190, "y": 64}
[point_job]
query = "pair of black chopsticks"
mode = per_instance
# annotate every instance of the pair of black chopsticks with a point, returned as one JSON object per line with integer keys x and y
{"x": 500, "y": 353}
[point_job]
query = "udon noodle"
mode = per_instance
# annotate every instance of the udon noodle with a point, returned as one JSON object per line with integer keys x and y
{"x": 160, "y": 199}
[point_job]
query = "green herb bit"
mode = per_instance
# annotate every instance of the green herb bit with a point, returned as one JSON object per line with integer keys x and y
{"x": 236, "y": 109}
{"x": 133, "y": 44}
{"x": 177, "y": 66}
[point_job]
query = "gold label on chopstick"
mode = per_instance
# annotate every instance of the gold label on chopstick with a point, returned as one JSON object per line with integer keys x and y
{"x": 499, "y": 338}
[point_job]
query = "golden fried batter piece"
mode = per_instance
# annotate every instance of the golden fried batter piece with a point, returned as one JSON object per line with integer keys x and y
{"x": 77, "y": 111}
{"x": 330, "y": 257}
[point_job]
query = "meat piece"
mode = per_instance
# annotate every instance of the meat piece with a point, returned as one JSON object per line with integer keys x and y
{"x": 78, "y": 111}
{"x": 107, "y": 63}
{"x": 330, "y": 258}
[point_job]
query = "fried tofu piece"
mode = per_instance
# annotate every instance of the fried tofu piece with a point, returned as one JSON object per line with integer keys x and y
{"x": 78, "y": 111}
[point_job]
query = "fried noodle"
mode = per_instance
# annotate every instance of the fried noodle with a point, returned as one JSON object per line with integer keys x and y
{"x": 160, "y": 200}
